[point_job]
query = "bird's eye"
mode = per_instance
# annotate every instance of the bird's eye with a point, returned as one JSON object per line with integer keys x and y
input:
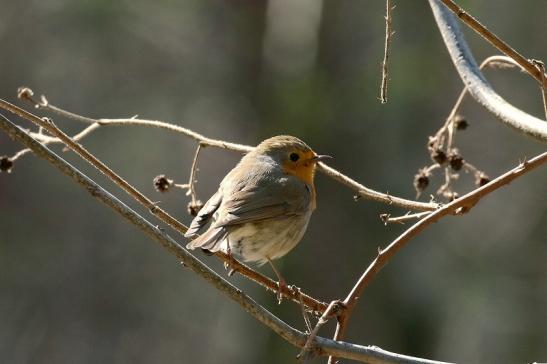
{"x": 294, "y": 157}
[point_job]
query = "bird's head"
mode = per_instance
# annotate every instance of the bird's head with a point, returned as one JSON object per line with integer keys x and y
{"x": 294, "y": 156}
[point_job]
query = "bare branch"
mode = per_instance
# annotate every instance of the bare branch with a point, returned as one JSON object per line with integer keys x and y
{"x": 369, "y": 354}
{"x": 459, "y": 206}
{"x": 359, "y": 189}
{"x": 195, "y": 204}
{"x": 387, "y": 219}
{"x": 541, "y": 67}
{"x": 367, "y": 193}
{"x": 387, "y": 45}
{"x": 333, "y": 306}
{"x": 474, "y": 80}
{"x": 493, "y": 39}
{"x": 313, "y": 304}
{"x": 441, "y": 145}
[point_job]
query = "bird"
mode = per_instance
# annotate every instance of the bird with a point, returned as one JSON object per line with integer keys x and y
{"x": 263, "y": 205}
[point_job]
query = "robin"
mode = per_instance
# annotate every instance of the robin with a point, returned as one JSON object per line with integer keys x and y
{"x": 262, "y": 207}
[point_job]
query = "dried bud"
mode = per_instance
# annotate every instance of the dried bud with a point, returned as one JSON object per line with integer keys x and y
{"x": 481, "y": 179}
{"x": 432, "y": 141}
{"x": 451, "y": 196}
{"x": 24, "y": 93}
{"x": 162, "y": 183}
{"x": 194, "y": 207}
{"x": 421, "y": 180}
{"x": 460, "y": 123}
{"x": 6, "y": 163}
{"x": 439, "y": 156}
{"x": 456, "y": 160}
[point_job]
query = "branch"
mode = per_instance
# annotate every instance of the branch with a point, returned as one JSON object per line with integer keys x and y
{"x": 497, "y": 42}
{"x": 541, "y": 67}
{"x": 441, "y": 146}
{"x": 47, "y": 124}
{"x": 387, "y": 219}
{"x": 475, "y": 82}
{"x": 192, "y": 181}
{"x": 492, "y": 62}
{"x": 369, "y": 354}
{"x": 387, "y": 45}
{"x": 334, "y": 306}
{"x": 459, "y": 206}
{"x": 361, "y": 191}
{"x": 369, "y": 194}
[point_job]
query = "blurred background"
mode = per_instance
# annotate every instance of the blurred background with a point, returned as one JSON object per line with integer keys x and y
{"x": 80, "y": 285}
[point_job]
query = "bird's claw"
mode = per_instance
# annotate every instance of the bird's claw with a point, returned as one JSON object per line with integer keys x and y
{"x": 281, "y": 285}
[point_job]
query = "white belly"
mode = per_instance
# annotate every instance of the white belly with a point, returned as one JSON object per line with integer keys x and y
{"x": 271, "y": 239}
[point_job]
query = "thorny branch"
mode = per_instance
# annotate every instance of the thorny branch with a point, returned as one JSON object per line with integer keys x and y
{"x": 478, "y": 88}
{"x": 368, "y": 354}
{"x": 387, "y": 219}
{"x": 333, "y": 307}
{"x": 387, "y": 45}
{"x": 47, "y": 124}
{"x": 441, "y": 146}
{"x": 360, "y": 190}
{"x": 475, "y": 81}
{"x": 496, "y": 41}
{"x": 460, "y": 206}
{"x": 481, "y": 91}
{"x": 442, "y": 143}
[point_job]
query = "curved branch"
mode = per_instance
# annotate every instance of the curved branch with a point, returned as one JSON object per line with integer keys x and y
{"x": 459, "y": 206}
{"x": 369, "y": 354}
{"x": 311, "y": 303}
{"x": 26, "y": 94}
{"x": 497, "y": 42}
{"x": 474, "y": 80}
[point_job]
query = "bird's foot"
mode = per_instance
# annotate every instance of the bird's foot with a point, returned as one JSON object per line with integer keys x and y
{"x": 281, "y": 285}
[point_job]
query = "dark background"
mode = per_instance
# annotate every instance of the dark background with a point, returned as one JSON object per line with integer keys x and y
{"x": 80, "y": 285}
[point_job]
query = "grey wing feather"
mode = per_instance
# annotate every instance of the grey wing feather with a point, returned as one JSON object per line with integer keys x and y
{"x": 209, "y": 240}
{"x": 247, "y": 201}
{"x": 256, "y": 203}
{"x": 204, "y": 215}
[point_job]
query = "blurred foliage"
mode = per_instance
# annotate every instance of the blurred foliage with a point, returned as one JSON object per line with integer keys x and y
{"x": 78, "y": 284}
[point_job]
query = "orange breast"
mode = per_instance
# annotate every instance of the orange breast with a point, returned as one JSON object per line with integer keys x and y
{"x": 305, "y": 171}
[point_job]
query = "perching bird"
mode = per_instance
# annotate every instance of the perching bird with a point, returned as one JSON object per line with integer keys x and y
{"x": 262, "y": 207}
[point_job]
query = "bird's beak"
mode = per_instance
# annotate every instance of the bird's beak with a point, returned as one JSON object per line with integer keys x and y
{"x": 319, "y": 158}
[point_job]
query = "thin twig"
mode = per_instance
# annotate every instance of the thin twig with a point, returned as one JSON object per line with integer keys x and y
{"x": 51, "y": 128}
{"x": 358, "y": 188}
{"x": 192, "y": 180}
{"x": 313, "y": 304}
{"x": 295, "y": 337}
{"x": 462, "y": 205}
{"x": 541, "y": 67}
{"x": 387, "y": 45}
{"x": 444, "y": 138}
{"x": 447, "y": 180}
{"x": 367, "y": 193}
{"x": 46, "y": 139}
{"x": 307, "y": 321}
{"x": 497, "y": 42}
{"x": 311, "y": 337}
{"x": 492, "y": 61}
{"x": 387, "y": 219}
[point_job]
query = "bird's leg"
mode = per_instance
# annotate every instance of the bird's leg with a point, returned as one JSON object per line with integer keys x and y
{"x": 281, "y": 284}
{"x": 227, "y": 265}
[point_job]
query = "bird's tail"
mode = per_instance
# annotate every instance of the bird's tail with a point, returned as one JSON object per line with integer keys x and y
{"x": 210, "y": 240}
